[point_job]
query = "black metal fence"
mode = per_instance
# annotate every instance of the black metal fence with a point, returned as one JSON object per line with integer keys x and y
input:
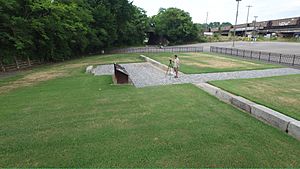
{"x": 293, "y": 60}
{"x": 157, "y": 50}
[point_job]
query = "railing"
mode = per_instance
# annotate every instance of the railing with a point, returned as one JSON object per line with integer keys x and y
{"x": 288, "y": 59}
{"x": 18, "y": 65}
{"x": 157, "y": 50}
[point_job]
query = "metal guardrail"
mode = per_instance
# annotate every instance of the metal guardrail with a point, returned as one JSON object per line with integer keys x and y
{"x": 157, "y": 50}
{"x": 288, "y": 59}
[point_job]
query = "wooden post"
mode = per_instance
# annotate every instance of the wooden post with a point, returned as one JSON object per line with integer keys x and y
{"x": 280, "y": 58}
{"x": 28, "y": 61}
{"x": 294, "y": 60}
{"x": 16, "y": 61}
{"x": 2, "y": 66}
{"x": 269, "y": 57}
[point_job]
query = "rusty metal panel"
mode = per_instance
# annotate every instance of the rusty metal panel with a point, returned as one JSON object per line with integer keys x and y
{"x": 285, "y": 22}
{"x": 121, "y": 75}
{"x": 214, "y": 29}
{"x": 226, "y": 28}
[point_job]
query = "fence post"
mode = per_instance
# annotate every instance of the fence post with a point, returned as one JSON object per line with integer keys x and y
{"x": 16, "y": 61}
{"x": 244, "y": 53}
{"x": 269, "y": 57}
{"x": 28, "y": 61}
{"x": 294, "y": 60}
{"x": 237, "y": 52}
{"x": 231, "y": 51}
{"x": 280, "y": 58}
{"x": 259, "y": 56}
{"x": 2, "y": 66}
{"x": 251, "y": 54}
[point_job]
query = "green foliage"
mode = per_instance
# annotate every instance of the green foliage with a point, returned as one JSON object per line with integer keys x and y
{"x": 215, "y": 25}
{"x": 175, "y": 25}
{"x": 54, "y": 30}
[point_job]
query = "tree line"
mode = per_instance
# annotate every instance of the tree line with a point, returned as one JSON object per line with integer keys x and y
{"x": 56, "y": 30}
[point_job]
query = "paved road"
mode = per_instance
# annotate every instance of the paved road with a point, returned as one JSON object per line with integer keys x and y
{"x": 276, "y": 47}
{"x": 145, "y": 74}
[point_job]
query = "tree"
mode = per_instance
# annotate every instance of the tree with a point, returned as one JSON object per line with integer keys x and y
{"x": 54, "y": 30}
{"x": 175, "y": 25}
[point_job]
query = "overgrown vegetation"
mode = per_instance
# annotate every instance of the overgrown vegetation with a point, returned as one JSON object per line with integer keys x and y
{"x": 56, "y": 30}
{"x": 175, "y": 25}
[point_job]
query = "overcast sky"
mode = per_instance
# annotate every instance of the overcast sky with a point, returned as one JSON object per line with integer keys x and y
{"x": 225, "y": 10}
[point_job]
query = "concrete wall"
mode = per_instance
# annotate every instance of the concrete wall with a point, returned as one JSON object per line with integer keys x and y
{"x": 154, "y": 62}
{"x": 262, "y": 113}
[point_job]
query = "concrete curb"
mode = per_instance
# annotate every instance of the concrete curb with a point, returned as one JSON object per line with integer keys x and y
{"x": 262, "y": 113}
{"x": 154, "y": 62}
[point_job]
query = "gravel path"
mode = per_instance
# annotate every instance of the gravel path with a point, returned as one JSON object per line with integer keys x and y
{"x": 103, "y": 70}
{"x": 145, "y": 74}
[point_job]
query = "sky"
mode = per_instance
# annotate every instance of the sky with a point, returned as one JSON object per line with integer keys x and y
{"x": 225, "y": 10}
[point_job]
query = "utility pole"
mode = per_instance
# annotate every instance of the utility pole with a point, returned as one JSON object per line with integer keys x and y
{"x": 249, "y": 6}
{"x": 207, "y": 21}
{"x": 236, "y": 18}
{"x": 255, "y": 18}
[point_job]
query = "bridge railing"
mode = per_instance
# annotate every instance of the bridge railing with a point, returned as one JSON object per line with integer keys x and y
{"x": 287, "y": 59}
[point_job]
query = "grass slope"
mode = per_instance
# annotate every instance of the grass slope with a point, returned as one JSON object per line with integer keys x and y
{"x": 193, "y": 63}
{"x": 84, "y": 121}
{"x": 64, "y": 69}
{"x": 280, "y": 93}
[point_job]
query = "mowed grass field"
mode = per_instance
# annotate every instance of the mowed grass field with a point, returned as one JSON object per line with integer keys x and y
{"x": 78, "y": 120}
{"x": 281, "y": 93}
{"x": 194, "y": 63}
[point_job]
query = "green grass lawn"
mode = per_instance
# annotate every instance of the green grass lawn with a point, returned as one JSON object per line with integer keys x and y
{"x": 193, "y": 63}
{"x": 68, "y": 68}
{"x": 83, "y": 121}
{"x": 280, "y": 93}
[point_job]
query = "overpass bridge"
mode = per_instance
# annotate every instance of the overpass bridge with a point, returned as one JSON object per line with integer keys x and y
{"x": 288, "y": 27}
